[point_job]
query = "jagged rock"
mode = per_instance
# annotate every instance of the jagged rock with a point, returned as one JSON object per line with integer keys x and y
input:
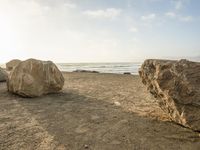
{"x": 32, "y": 78}
{"x": 3, "y": 75}
{"x": 176, "y": 85}
{"x": 12, "y": 64}
{"x": 128, "y": 73}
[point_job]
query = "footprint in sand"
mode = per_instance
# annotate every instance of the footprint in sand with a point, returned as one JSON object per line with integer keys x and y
{"x": 81, "y": 129}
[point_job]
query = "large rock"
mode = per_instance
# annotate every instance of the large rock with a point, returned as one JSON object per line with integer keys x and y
{"x": 12, "y": 64}
{"x": 176, "y": 85}
{"x": 32, "y": 78}
{"x": 3, "y": 75}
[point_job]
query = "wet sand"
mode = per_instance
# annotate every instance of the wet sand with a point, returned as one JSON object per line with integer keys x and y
{"x": 94, "y": 111}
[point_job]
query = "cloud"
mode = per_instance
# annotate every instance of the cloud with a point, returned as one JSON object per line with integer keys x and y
{"x": 133, "y": 29}
{"x": 135, "y": 40}
{"x": 170, "y": 14}
{"x": 149, "y": 17}
{"x": 109, "y": 13}
{"x": 186, "y": 18}
{"x": 154, "y": 0}
{"x": 70, "y": 5}
{"x": 173, "y": 15}
{"x": 178, "y": 4}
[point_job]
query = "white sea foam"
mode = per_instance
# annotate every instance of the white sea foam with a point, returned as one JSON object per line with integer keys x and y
{"x": 119, "y": 68}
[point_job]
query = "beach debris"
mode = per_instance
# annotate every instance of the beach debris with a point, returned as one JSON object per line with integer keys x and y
{"x": 176, "y": 85}
{"x": 128, "y": 73}
{"x": 117, "y": 103}
{"x": 3, "y": 75}
{"x": 86, "y": 146}
{"x": 87, "y": 71}
{"x": 33, "y": 78}
{"x": 12, "y": 64}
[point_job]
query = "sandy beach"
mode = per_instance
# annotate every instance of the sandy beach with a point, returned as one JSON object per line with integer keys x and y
{"x": 94, "y": 111}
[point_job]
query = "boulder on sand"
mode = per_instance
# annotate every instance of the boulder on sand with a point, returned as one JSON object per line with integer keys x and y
{"x": 33, "y": 78}
{"x": 12, "y": 64}
{"x": 3, "y": 75}
{"x": 176, "y": 85}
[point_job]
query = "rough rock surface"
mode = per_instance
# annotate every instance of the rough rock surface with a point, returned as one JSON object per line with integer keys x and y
{"x": 32, "y": 78}
{"x": 3, "y": 75}
{"x": 176, "y": 85}
{"x": 12, "y": 64}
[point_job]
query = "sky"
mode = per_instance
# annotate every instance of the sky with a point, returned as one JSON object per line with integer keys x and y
{"x": 99, "y": 30}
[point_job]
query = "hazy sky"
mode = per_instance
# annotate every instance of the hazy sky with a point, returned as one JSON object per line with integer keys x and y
{"x": 98, "y": 30}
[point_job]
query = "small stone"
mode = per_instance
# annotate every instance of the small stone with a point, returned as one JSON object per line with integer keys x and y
{"x": 86, "y": 146}
{"x": 117, "y": 103}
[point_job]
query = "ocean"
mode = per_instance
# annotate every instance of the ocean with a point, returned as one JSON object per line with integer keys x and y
{"x": 118, "y": 68}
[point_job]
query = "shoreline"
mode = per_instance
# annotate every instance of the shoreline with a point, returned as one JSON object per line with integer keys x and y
{"x": 91, "y": 72}
{"x": 118, "y": 68}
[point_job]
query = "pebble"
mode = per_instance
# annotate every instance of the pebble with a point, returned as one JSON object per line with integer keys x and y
{"x": 117, "y": 103}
